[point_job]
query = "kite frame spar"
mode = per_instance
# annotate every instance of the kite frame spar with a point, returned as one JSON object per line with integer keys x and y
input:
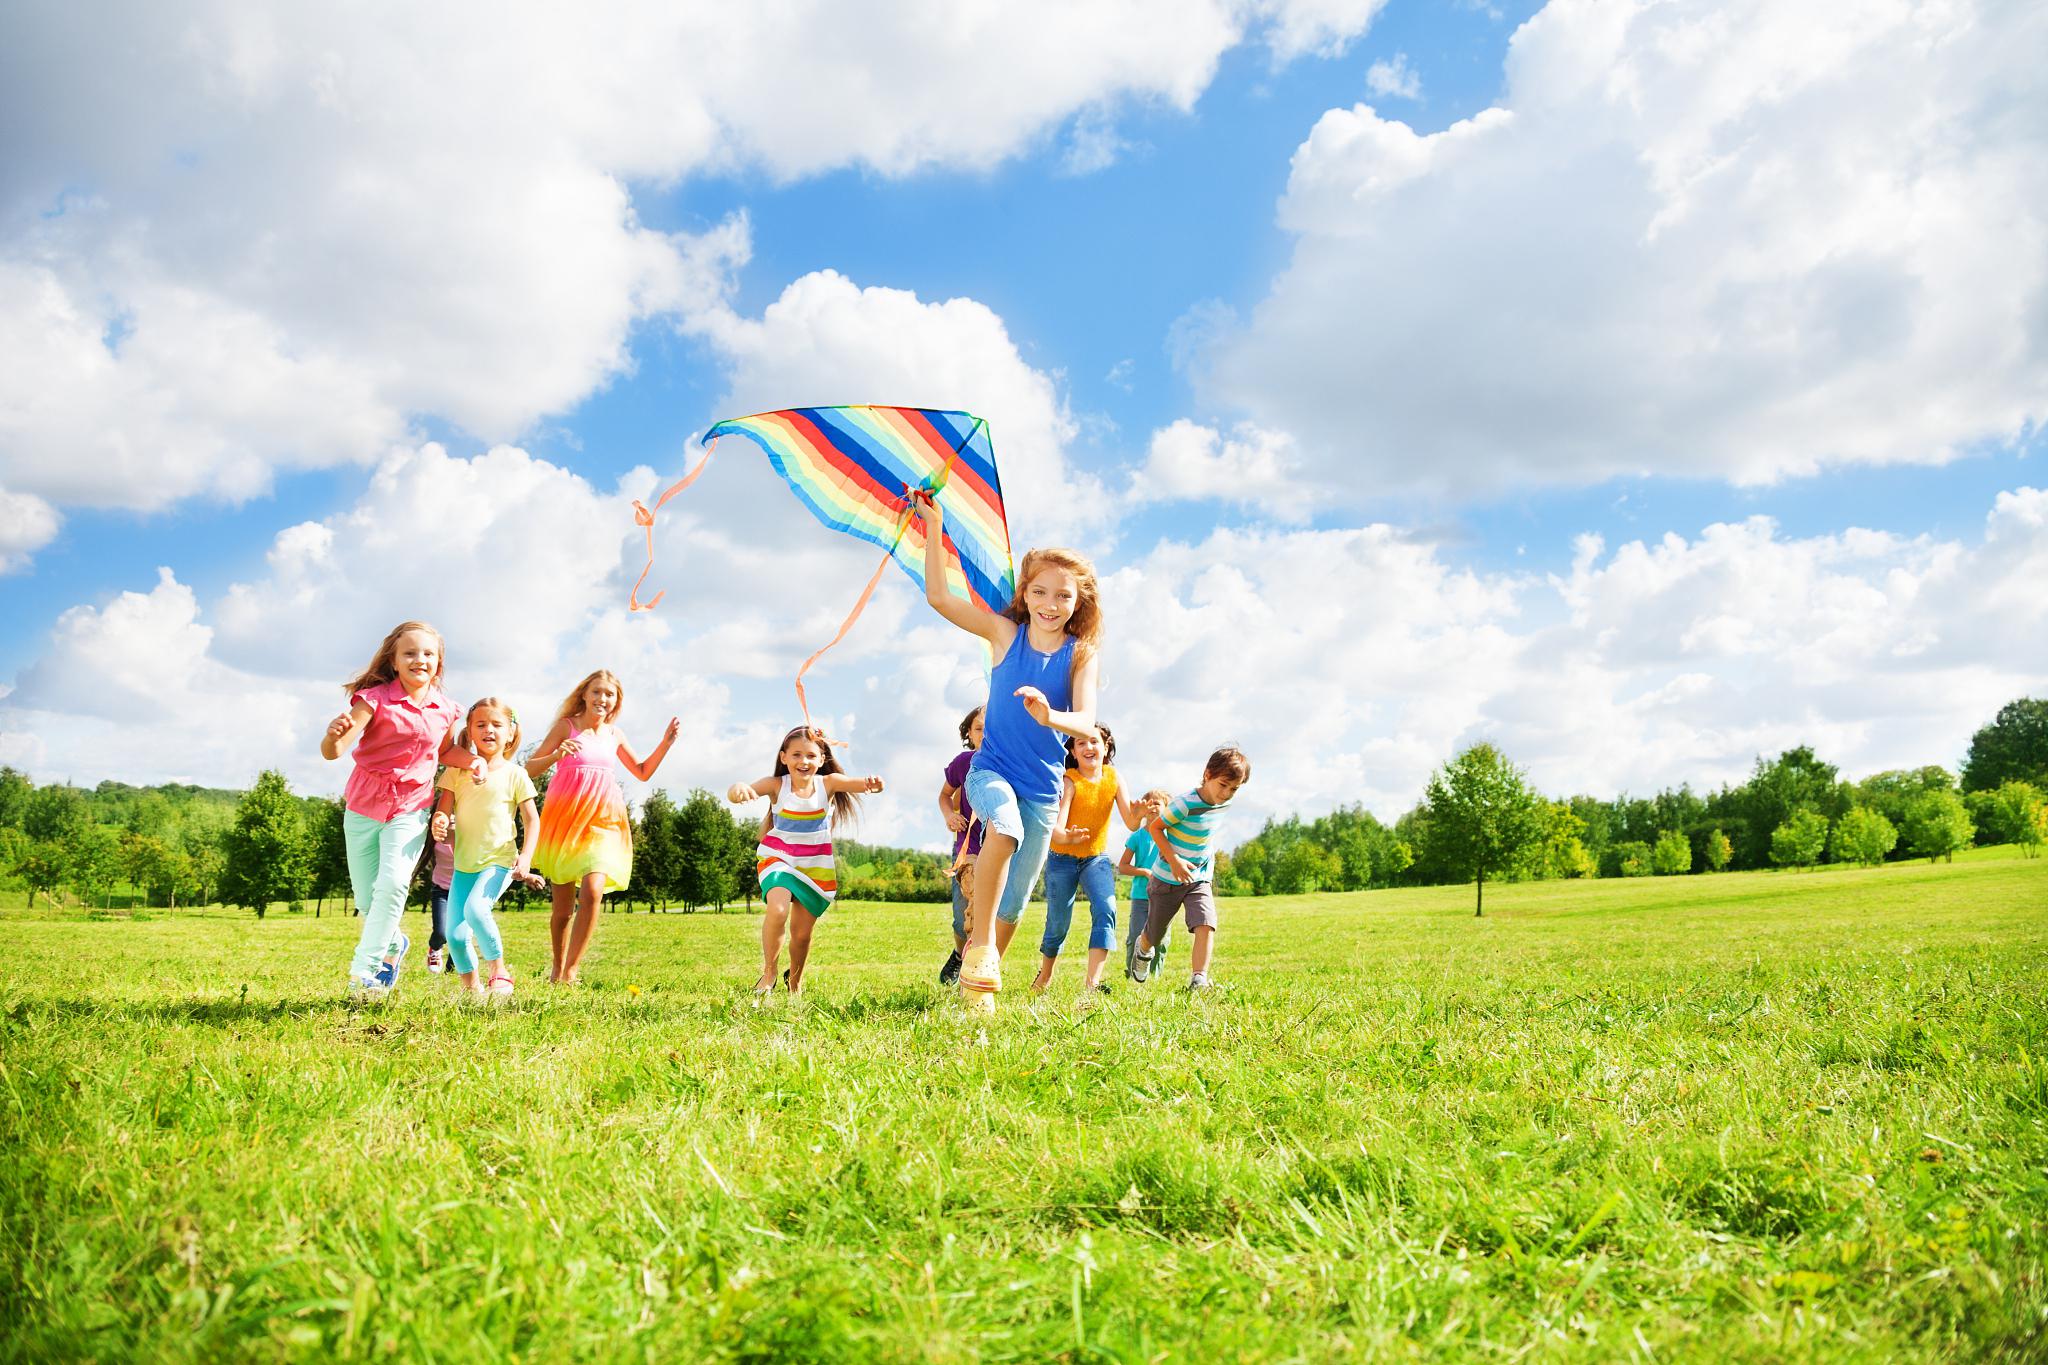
{"x": 842, "y": 458}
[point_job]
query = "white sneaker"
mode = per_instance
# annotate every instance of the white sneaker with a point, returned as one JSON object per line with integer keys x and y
{"x": 1198, "y": 983}
{"x": 1141, "y": 967}
{"x": 436, "y": 962}
{"x": 500, "y": 989}
{"x": 367, "y": 989}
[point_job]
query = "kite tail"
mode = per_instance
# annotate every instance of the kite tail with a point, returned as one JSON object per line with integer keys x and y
{"x": 643, "y": 516}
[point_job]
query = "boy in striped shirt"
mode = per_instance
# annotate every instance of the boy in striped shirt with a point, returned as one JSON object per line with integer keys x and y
{"x": 1179, "y": 873}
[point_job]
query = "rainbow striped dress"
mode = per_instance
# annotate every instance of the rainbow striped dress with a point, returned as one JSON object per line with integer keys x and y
{"x": 795, "y": 852}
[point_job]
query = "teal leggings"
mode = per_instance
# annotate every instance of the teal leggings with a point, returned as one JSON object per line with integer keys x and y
{"x": 381, "y": 857}
{"x": 472, "y": 928}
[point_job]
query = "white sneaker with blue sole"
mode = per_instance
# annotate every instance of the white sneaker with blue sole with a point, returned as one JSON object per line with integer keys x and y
{"x": 387, "y": 974}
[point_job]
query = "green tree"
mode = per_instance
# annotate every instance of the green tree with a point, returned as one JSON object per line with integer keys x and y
{"x": 94, "y": 859}
{"x": 706, "y": 864}
{"x": 1937, "y": 824}
{"x": 1561, "y": 851}
{"x": 1400, "y": 857}
{"x": 1800, "y": 840}
{"x": 45, "y": 865}
{"x": 1632, "y": 858}
{"x": 2010, "y": 813}
{"x": 1889, "y": 793}
{"x": 55, "y": 814}
{"x": 2013, "y": 747}
{"x": 266, "y": 852}
{"x": 1795, "y": 780}
{"x": 1863, "y": 836}
{"x": 327, "y": 851}
{"x": 1482, "y": 811}
{"x": 1718, "y": 850}
{"x": 657, "y": 850}
{"x": 15, "y": 791}
{"x": 1671, "y": 855}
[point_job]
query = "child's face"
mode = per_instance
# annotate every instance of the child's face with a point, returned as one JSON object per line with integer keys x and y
{"x": 1218, "y": 788}
{"x": 802, "y": 756}
{"x": 1152, "y": 807}
{"x": 974, "y": 731}
{"x": 1050, "y": 597}
{"x": 416, "y": 657}
{"x": 1088, "y": 751}
{"x": 488, "y": 730}
{"x": 600, "y": 699}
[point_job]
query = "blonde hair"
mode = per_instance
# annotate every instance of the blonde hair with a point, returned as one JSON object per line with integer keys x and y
{"x": 383, "y": 665}
{"x": 1085, "y": 625}
{"x": 572, "y": 705}
{"x": 1158, "y": 796}
{"x": 494, "y": 704}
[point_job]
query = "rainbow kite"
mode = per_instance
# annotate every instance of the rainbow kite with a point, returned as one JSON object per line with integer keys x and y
{"x": 855, "y": 467}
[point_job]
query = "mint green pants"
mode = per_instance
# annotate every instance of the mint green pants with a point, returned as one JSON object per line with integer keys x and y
{"x": 381, "y": 857}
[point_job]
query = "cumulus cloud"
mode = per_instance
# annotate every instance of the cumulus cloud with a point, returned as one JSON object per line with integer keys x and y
{"x": 236, "y": 239}
{"x": 1250, "y": 468}
{"x": 27, "y": 524}
{"x": 1394, "y": 79}
{"x": 1745, "y": 242}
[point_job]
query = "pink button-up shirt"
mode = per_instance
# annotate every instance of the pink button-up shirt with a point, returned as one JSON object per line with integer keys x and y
{"x": 394, "y": 772}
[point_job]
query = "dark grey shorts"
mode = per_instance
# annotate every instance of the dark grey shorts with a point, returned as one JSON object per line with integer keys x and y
{"x": 1166, "y": 899}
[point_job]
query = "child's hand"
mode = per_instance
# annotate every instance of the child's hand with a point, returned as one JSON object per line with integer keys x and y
{"x": 567, "y": 747}
{"x": 739, "y": 793}
{"x": 1076, "y": 834}
{"x": 955, "y": 821}
{"x": 925, "y": 505}
{"x": 875, "y": 783}
{"x": 1036, "y": 703}
{"x": 1179, "y": 869}
{"x": 340, "y": 725}
{"x": 440, "y": 826}
{"x": 668, "y": 735}
{"x": 531, "y": 878}
{"x": 478, "y": 771}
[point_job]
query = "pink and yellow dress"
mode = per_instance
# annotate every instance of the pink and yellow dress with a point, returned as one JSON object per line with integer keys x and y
{"x": 584, "y": 824}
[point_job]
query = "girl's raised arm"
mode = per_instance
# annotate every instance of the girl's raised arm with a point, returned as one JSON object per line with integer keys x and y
{"x": 847, "y": 782}
{"x": 644, "y": 771}
{"x": 997, "y": 630}
{"x": 554, "y": 746}
{"x": 342, "y": 730}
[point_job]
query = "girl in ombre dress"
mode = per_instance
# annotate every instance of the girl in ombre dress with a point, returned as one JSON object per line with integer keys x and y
{"x": 586, "y": 832}
{"x": 806, "y": 793}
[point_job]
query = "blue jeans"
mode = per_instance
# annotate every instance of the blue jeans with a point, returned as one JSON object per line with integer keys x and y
{"x": 1064, "y": 873}
{"x": 437, "y": 909}
{"x": 472, "y": 928}
{"x": 1028, "y": 822}
{"x": 381, "y": 857}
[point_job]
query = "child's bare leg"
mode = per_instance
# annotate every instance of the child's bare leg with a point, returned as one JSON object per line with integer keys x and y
{"x": 1006, "y": 929}
{"x": 1096, "y": 957}
{"x": 1198, "y": 955}
{"x": 1045, "y": 970}
{"x": 801, "y": 923}
{"x": 563, "y": 895}
{"x": 773, "y": 917}
{"x": 990, "y": 872}
{"x": 588, "y": 906}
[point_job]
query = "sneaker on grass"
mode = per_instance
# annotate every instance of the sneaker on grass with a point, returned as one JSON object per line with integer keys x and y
{"x": 365, "y": 988}
{"x": 435, "y": 962}
{"x": 949, "y": 975}
{"x": 387, "y": 975}
{"x": 1141, "y": 967}
{"x": 1198, "y": 983}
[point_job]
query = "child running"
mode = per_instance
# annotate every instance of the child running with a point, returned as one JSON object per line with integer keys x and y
{"x": 586, "y": 832}
{"x": 1043, "y": 686}
{"x": 437, "y": 897}
{"x": 807, "y": 794}
{"x": 959, "y": 815}
{"x": 481, "y": 813}
{"x": 1139, "y": 854}
{"x": 1079, "y": 859}
{"x": 1180, "y": 878}
{"x": 400, "y": 722}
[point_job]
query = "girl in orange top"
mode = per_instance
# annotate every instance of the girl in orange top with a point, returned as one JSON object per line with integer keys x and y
{"x": 1079, "y": 860}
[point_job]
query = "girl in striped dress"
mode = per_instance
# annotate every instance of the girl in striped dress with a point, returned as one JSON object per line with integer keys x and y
{"x": 807, "y": 794}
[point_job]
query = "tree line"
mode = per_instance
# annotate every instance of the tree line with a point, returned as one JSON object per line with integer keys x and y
{"x": 1480, "y": 821}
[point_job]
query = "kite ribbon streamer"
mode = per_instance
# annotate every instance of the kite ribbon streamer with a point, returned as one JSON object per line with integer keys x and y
{"x": 643, "y": 516}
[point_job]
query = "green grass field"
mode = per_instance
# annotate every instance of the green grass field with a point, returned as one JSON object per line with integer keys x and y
{"x": 1756, "y": 1116}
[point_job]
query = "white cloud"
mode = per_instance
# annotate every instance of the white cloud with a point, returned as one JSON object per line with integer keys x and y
{"x": 236, "y": 239}
{"x": 1250, "y": 467}
{"x": 1745, "y": 242}
{"x": 1394, "y": 79}
{"x": 27, "y": 524}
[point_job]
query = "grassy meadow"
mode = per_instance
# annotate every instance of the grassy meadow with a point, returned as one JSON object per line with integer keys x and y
{"x": 1750, "y": 1116}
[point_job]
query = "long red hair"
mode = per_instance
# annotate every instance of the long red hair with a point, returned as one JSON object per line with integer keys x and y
{"x": 1085, "y": 625}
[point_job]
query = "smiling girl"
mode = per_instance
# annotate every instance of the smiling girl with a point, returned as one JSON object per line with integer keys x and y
{"x": 1042, "y": 689}
{"x": 807, "y": 793}
{"x": 401, "y": 723}
{"x": 480, "y": 814}
{"x": 586, "y": 832}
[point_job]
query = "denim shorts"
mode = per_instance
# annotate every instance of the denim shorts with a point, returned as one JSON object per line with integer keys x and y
{"x": 1028, "y": 822}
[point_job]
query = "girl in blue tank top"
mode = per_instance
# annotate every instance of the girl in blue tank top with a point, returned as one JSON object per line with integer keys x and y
{"x": 1042, "y": 690}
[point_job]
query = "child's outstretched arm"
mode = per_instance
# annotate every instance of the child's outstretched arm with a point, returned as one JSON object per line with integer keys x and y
{"x": 1064, "y": 809}
{"x": 997, "y": 630}
{"x": 1124, "y": 807}
{"x": 847, "y": 782}
{"x": 529, "y": 831}
{"x": 556, "y": 746}
{"x": 739, "y": 793}
{"x": 644, "y": 771}
{"x": 342, "y": 730}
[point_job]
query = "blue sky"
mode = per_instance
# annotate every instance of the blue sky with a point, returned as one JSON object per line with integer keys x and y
{"x": 1447, "y": 289}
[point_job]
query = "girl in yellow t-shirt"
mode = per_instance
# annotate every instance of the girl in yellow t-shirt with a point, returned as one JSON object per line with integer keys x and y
{"x": 482, "y": 806}
{"x": 1080, "y": 856}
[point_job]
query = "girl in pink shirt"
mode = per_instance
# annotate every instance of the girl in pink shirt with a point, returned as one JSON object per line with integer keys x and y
{"x": 402, "y": 725}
